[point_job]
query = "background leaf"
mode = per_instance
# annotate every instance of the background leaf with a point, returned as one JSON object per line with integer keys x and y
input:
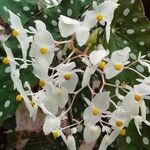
{"x": 23, "y": 8}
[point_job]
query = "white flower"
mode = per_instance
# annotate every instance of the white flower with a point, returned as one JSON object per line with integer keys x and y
{"x": 102, "y": 13}
{"x": 99, "y": 104}
{"x": 119, "y": 119}
{"x": 11, "y": 59}
{"x": 53, "y": 98}
{"x": 134, "y": 99}
{"x": 87, "y": 75}
{"x": 116, "y": 63}
{"x": 67, "y": 76}
{"x": 15, "y": 76}
{"x": 71, "y": 144}
{"x": 40, "y": 70}
{"x": 95, "y": 58}
{"x": 108, "y": 139}
{"x": 138, "y": 122}
{"x": 91, "y": 133}
{"x": 68, "y": 26}
{"x": 43, "y": 46}
{"x": 51, "y": 124}
{"x": 20, "y": 33}
{"x": 18, "y": 85}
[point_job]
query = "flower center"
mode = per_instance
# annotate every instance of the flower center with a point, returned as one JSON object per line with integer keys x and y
{"x": 99, "y": 17}
{"x": 119, "y": 123}
{"x": 42, "y": 83}
{"x": 43, "y": 50}
{"x": 56, "y": 133}
{"x": 19, "y": 98}
{"x": 96, "y": 111}
{"x": 15, "y": 33}
{"x": 118, "y": 66}
{"x": 122, "y": 132}
{"x": 137, "y": 97}
{"x": 5, "y": 61}
{"x": 67, "y": 76}
{"x": 101, "y": 65}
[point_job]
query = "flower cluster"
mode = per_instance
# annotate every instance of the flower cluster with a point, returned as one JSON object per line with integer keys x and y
{"x": 55, "y": 65}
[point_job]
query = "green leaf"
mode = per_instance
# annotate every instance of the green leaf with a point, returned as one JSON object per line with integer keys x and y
{"x": 23, "y": 8}
{"x": 130, "y": 27}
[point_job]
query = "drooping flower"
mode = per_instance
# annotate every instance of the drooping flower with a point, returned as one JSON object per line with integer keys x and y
{"x": 71, "y": 144}
{"x": 117, "y": 62}
{"x": 103, "y": 13}
{"x": 52, "y": 125}
{"x": 56, "y": 97}
{"x": 99, "y": 104}
{"x": 10, "y": 59}
{"x": 68, "y": 26}
{"x": 108, "y": 139}
{"x": 93, "y": 130}
{"x": 20, "y": 33}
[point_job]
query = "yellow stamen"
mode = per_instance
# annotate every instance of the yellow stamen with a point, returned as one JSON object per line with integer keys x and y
{"x": 137, "y": 97}
{"x": 42, "y": 83}
{"x": 99, "y": 17}
{"x": 56, "y": 134}
{"x": 122, "y": 132}
{"x": 15, "y": 33}
{"x": 119, "y": 123}
{"x": 67, "y": 76}
{"x": 118, "y": 66}
{"x": 43, "y": 50}
{"x": 96, "y": 111}
{"x": 102, "y": 65}
{"x": 5, "y": 61}
{"x": 19, "y": 98}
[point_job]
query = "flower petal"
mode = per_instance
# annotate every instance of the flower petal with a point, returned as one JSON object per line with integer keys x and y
{"x": 121, "y": 55}
{"x": 51, "y": 123}
{"x": 110, "y": 71}
{"x": 90, "y": 18}
{"x": 91, "y": 130}
{"x": 89, "y": 118}
{"x": 87, "y": 75}
{"x": 71, "y": 84}
{"x": 82, "y": 33}
{"x": 96, "y": 56}
{"x": 108, "y": 139}
{"x": 101, "y": 100}
{"x": 15, "y": 21}
{"x": 67, "y": 26}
